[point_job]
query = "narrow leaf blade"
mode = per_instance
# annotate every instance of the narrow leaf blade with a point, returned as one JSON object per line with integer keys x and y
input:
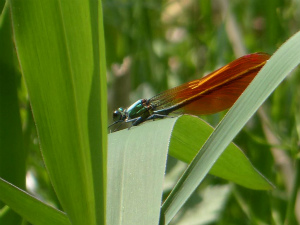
{"x": 276, "y": 69}
{"x": 59, "y": 52}
{"x": 30, "y": 208}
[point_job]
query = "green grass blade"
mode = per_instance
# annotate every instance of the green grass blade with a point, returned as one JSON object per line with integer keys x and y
{"x": 136, "y": 165}
{"x": 12, "y": 153}
{"x": 30, "y": 208}
{"x": 277, "y": 68}
{"x": 136, "y": 168}
{"x": 189, "y": 135}
{"x": 60, "y": 45}
{"x": 12, "y": 150}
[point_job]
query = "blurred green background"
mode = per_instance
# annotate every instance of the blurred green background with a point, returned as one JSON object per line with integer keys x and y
{"x": 154, "y": 45}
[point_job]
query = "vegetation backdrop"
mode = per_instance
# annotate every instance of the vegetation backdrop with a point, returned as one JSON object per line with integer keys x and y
{"x": 60, "y": 82}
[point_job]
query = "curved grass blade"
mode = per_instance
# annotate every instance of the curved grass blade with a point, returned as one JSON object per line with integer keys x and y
{"x": 277, "y": 68}
{"x": 60, "y": 45}
{"x": 189, "y": 135}
{"x": 30, "y": 208}
{"x": 136, "y": 168}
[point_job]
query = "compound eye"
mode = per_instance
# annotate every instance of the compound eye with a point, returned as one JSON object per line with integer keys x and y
{"x": 117, "y": 115}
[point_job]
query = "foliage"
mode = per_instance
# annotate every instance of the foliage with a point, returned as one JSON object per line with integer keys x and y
{"x": 53, "y": 98}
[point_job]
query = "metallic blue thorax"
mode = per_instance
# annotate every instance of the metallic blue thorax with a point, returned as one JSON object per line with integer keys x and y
{"x": 137, "y": 109}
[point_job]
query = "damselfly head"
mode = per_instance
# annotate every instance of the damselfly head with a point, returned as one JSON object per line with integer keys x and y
{"x": 119, "y": 115}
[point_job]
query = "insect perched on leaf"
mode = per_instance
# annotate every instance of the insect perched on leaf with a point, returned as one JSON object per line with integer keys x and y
{"x": 210, "y": 94}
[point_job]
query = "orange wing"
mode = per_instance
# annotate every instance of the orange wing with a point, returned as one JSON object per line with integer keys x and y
{"x": 214, "y": 92}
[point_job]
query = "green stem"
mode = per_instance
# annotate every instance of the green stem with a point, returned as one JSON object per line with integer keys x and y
{"x": 290, "y": 213}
